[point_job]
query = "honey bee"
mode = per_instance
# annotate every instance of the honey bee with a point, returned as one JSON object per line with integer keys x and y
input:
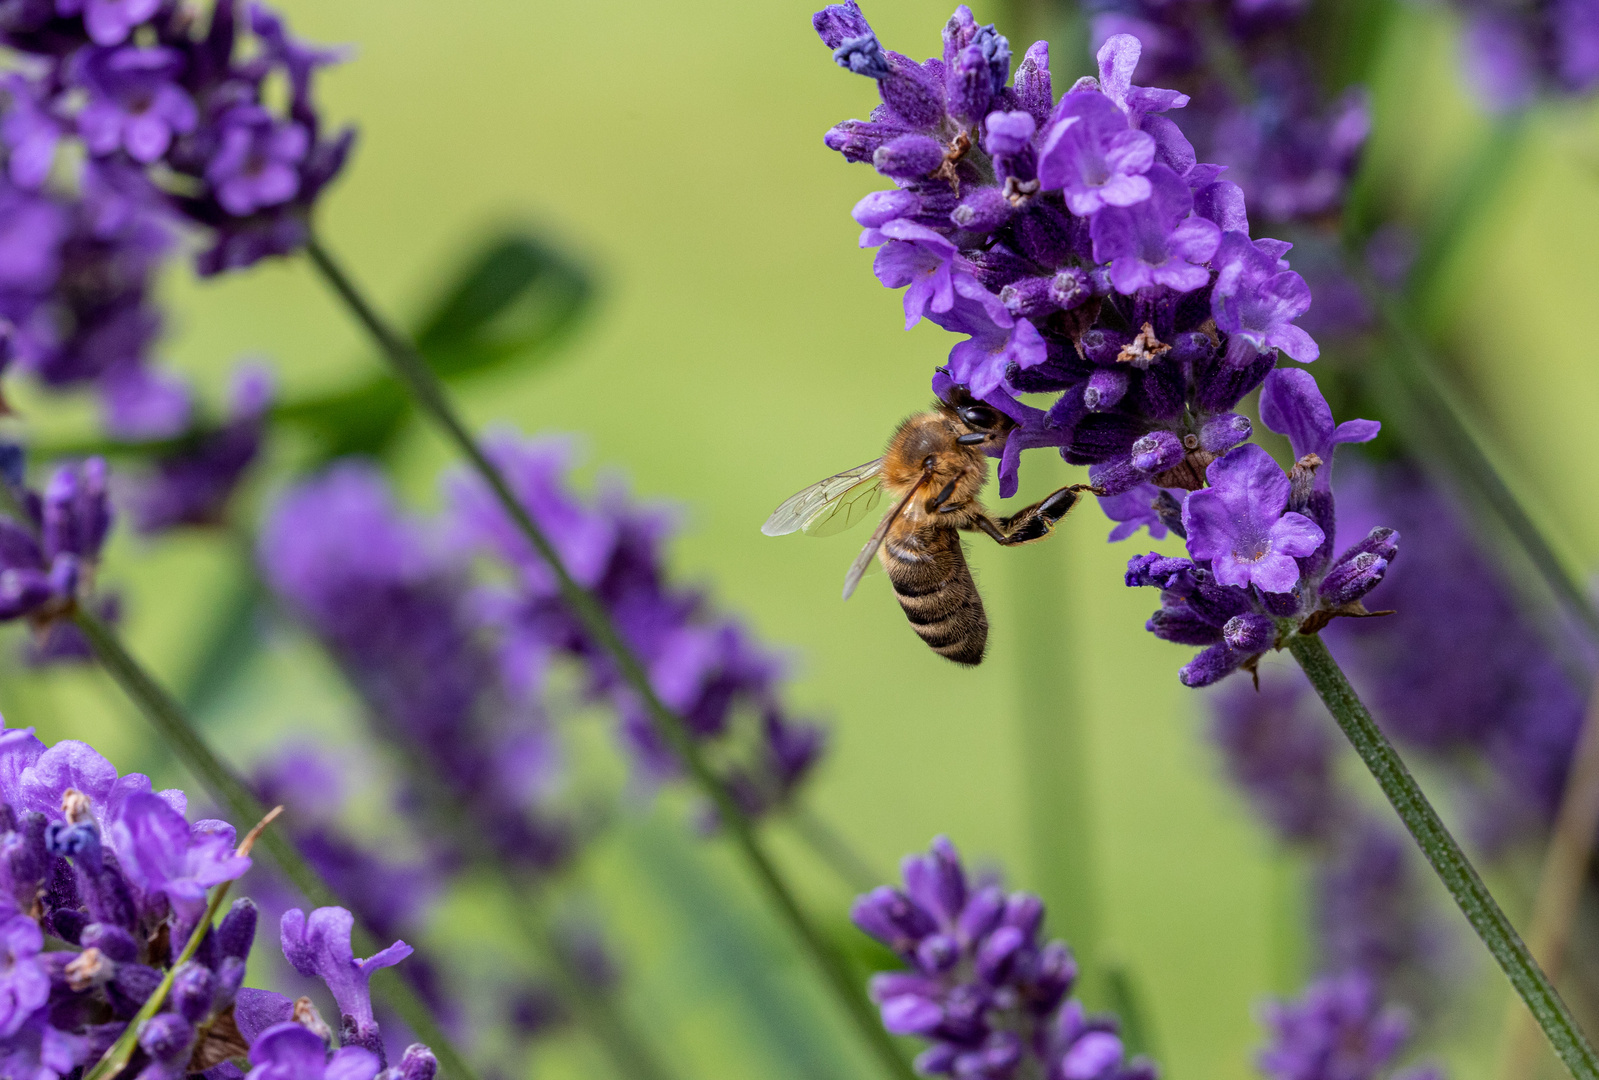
{"x": 934, "y": 470}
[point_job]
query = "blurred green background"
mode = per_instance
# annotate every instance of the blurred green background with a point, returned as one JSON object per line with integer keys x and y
{"x": 740, "y": 349}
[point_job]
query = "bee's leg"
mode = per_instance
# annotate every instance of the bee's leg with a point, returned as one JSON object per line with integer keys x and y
{"x": 941, "y": 498}
{"x": 1036, "y": 521}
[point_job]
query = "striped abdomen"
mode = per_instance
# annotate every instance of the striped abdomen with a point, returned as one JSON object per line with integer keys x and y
{"x": 935, "y": 587}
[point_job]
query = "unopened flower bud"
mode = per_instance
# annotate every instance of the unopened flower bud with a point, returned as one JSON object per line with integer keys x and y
{"x": 1009, "y": 133}
{"x": 193, "y": 990}
{"x": 417, "y": 1063}
{"x": 1213, "y": 664}
{"x": 1091, "y": 1056}
{"x": 1157, "y": 451}
{"x": 881, "y": 207}
{"x": 1250, "y": 632}
{"x": 995, "y": 956}
{"x": 1105, "y": 388}
{"x": 938, "y": 952}
{"x": 1170, "y": 512}
{"x": 909, "y": 157}
{"x": 983, "y": 209}
{"x": 862, "y": 55}
{"x": 1224, "y": 432}
{"x": 167, "y": 1037}
{"x": 911, "y": 1014}
{"x": 1352, "y": 579}
{"x": 1070, "y": 287}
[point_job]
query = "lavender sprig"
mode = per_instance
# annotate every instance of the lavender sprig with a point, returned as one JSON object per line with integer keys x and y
{"x": 419, "y": 379}
{"x": 225, "y": 786}
{"x": 992, "y": 1000}
{"x": 180, "y": 733}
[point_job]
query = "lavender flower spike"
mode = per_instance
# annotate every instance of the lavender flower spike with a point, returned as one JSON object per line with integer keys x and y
{"x": 319, "y": 945}
{"x": 1240, "y": 525}
{"x": 991, "y": 1000}
{"x": 1339, "y": 1030}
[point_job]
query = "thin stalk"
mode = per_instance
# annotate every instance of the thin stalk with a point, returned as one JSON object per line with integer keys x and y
{"x": 240, "y": 803}
{"x": 1560, "y": 883}
{"x": 1450, "y": 863}
{"x": 832, "y": 848}
{"x": 409, "y": 365}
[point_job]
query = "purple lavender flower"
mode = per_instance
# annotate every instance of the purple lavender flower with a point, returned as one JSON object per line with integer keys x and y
{"x": 29, "y": 131}
{"x": 1239, "y": 523}
{"x": 989, "y": 998}
{"x": 256, "y": 161}
{"x": 164, "y": 855}
{"x": 135, "y": 102}
{"x": 704, "y": 666}
{"x": 997, "y": 344}
{"x": 96, "y": 865}
{"x": 1076, "y": 245}
{"x": 319, "y": 944}
{"x": 24, "y": 981}
{"x": 1093, "y": 157}
{"x": 1339, "y": 1030}
{"x": 109, "y": 22}
{"x": 1514, "y": 52}
{"x": 1262, "y": 546}
{"x": 1256, "y": 302}
{"x": 1158, "y": 241}
{"x": 47, "y": 561}
{"x": 917, "y": 256}
{"x": 193, "y": 484}
{"x": 392, "y": 607}
{"x": 111, "y": 878}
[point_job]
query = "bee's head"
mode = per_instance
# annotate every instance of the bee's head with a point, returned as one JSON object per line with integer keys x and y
{"x": 982, "y": 421}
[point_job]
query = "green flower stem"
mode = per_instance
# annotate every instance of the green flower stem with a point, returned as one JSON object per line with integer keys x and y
{"x": 240, "y": 803}
{"x": 412, "y": 369}
{"x": 1450, "y": 863}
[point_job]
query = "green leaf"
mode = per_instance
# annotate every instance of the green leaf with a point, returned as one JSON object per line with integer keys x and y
{"x": 514, "y": 300}
{"x": 364, "y": 419}
{"x": 1126, "y": 1000}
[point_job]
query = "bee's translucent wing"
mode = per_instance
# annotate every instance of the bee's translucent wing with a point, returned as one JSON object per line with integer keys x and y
{"x": 829, "y": 506}
{"x": 864, "y": 559}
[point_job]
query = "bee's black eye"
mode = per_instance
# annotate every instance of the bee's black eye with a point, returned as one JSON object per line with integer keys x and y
{"x": 980, "y": 417}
